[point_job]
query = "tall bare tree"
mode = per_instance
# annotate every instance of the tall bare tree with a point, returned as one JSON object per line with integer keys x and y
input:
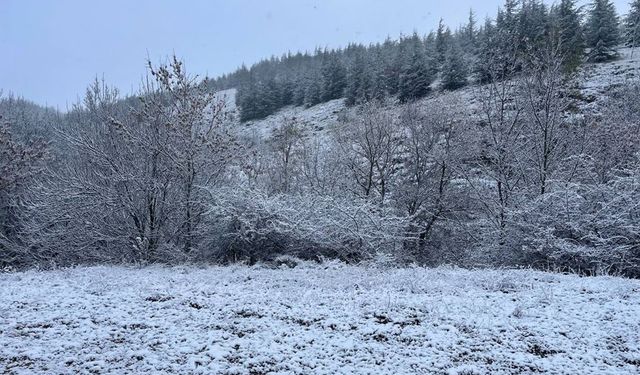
{"x": 370, "y": 142}
{"x": 545, "y": 105}
{"x": 428, "y": 164}
{"x": 500, "y": 131}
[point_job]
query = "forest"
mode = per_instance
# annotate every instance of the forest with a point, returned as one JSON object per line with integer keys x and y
{"x": 410, "y": 67}
{"x": 472, "y": 146}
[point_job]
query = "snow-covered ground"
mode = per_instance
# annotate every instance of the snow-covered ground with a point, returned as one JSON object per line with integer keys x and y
{"x": 326, "y": 319}
{"x": 314, "y": 120}
{"x": 596, "y": 80}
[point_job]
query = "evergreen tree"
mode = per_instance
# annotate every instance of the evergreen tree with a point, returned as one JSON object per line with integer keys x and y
{"x": 430, "y": 55}
{"x": 568, "y": 33}
{"x": 376, "y": 71}
{"x": 502, "y": 44}
{"x": 286, "y": 89}
{"x": 407, "y": 67}
{"x": 392, "y": 66}
{"x": 246, "y": 101}
{"x": 632, "y": 25}
{"x": 508, "y": 20}
{"x": 499, "y": 49}
{"x": 468, "y": 34}
{"x": 533, "y": 24}
{"x": 454, "y": 71}
{"x": 443, "y": 36}
{"x": 357, "y": 90}
{"x": 603, "y": 34}
{"x": 272, "y": 96}
{"x": 334, "y": 77}
{"x": 298, "y": 91}
{"x": 415, "y": 79}
{"x": 313, "y": 91}
{"x": 486, "y": 35}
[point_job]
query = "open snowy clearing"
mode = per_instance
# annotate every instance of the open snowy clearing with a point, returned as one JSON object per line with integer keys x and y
{"x": 328, "y": 319}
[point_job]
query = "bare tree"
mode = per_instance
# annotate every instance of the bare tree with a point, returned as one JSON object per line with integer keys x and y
{"x": 428, "y": 162}
{"x": 369, "y": 144}
{"x": 285, "y": 144}
{"x": 135, "y": 182}
{"x": 200, "y": 145}
{"x": 546, "y": 131}
{"x": 323, "y": 171}
{"x": 500, "y": 131}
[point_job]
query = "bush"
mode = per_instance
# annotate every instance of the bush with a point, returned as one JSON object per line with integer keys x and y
{"x": 251, "y": 226}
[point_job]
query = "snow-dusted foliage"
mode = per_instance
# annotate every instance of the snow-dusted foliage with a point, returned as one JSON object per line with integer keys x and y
{"x": 250, "y": 225}
{"x": 586, "y": 227}
{"x": 22, "y": 158}
{"x": 129, "y": 185}
{"x": 519, "y": 171}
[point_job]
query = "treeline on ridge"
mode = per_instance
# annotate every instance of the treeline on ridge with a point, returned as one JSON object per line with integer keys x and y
{"x": 410, "y": 67}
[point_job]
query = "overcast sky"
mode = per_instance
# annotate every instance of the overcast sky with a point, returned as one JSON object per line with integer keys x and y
{"x": 51, "y": 49}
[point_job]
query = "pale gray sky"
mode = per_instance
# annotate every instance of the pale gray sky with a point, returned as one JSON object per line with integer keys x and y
{"x": 51, "y": 49}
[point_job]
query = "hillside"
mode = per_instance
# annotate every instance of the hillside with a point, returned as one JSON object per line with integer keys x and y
{"x": 591, "y": 87}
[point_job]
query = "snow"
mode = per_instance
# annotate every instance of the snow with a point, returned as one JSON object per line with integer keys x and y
{"x": 314, "y": 120}
{"x": 597, "y": 80}
{"x": 320, "y": 319}
{"x": 229, "y": 99}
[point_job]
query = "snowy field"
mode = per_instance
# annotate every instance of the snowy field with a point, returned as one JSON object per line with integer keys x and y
{"x": 328, "y": 319}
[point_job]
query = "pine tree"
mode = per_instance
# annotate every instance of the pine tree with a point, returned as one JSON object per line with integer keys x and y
{"x": 507, "y": 21}
{"x": 431, "y": 55}
{"x": 246, "y": 100}
{"x": 313, "y": 91}
{"x": 632, "y": 25}
{"x": 357, "y": 90}
{"x": 272, "y": 94}
{"x": 334, "y": 77}
{"x": 454, "y": 72}
{"x": 603, "y": 34}
{"x": 468, "y": 34}
{"x": 443, "y": 37}
{"x": 499, "y": 48}
{"x": 392, "y": 66}
{"x": 486, "y": 42}
{"x": 286, "y": 90}
{"x": 298, "y": 91}
{"x": 568, "y": 34}
{"x": 533, "y": 24}
{"x": 376, "y": 71}
{"x": 502, "y": 44}
{"x": 415, "y": 79}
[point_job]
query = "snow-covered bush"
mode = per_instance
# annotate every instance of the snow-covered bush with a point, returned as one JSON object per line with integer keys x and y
{"x": 20, "y": 163}
{"x": 592, "y": 228}
{"x": 249, "y": 225}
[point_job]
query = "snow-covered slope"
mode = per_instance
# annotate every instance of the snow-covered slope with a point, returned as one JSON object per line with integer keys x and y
{"x": 595, "y": 81}
{"x": 592, "y": 85}
{"x": 229, "y": 98}
{"x": 327, "y": 319}
{"x": 314, "y": 120}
